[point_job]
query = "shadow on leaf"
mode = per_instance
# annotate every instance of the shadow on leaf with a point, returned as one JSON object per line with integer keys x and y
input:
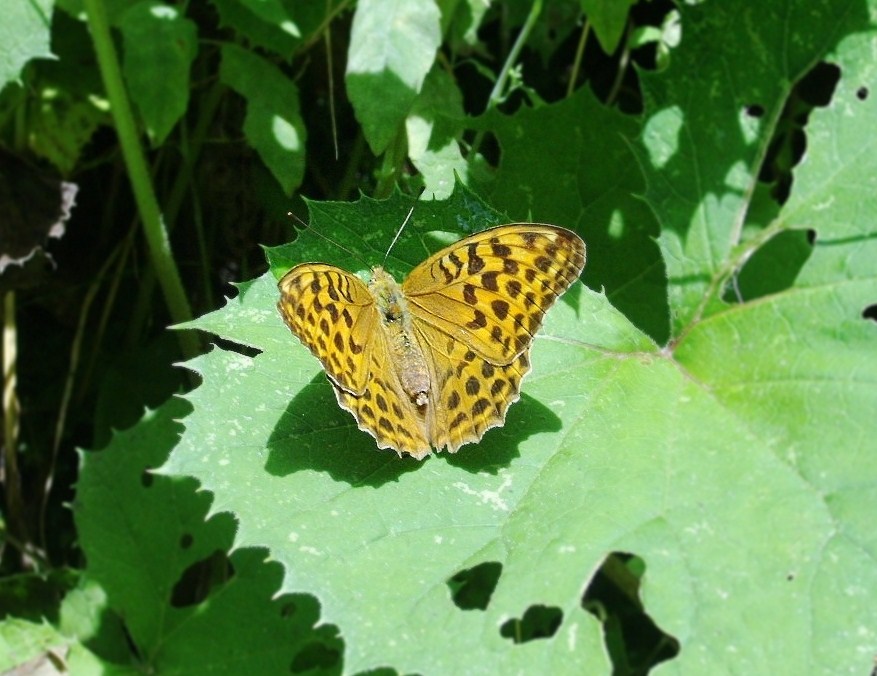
{"x": 314, "y": 433}
{"x": 500, "y": 445}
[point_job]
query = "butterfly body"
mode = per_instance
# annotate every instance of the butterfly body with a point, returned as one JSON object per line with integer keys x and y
{"x": 407, "y": 353}
{"x": 434, "y": 362}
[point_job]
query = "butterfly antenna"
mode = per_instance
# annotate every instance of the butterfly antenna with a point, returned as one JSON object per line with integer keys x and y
{"x": 398, "y": 232}
{"x": 300, "y": 222}
{"x": 328, "y": 239}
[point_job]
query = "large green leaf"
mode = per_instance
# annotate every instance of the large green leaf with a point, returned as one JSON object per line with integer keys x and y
{"x": 185, "y": 605}
{"x": 735, "y": 458}
{"x": 24, "y": 35}
{"x": 571, "y": 164}
{"x": 160, "y": 45}
{"x": 616, "y": 445}
{"x": 273, "y": 124}
{"x": 392, "y": 47}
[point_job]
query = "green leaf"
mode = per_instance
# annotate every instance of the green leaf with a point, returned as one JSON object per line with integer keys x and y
{"x": 146, "y": 543}
{"x": 734, "y": 461}
{"x": 273, "y": 125}
{"x": 461, "y": 20}
{"x": 62, "y": 99}
{"x": 432, "y": 127}
{"x": 331, "y": 493}
{"x": 571, "y": 164}
{"x": 24, "y": 35}
{"x": 392, "y": 48}
{"x": 273, "y": 12}
{"x": 24, "y": 641}
{"x": 160, "y": 46}
{"x": 280, "y": 25}
{"x": 701, "y": 149}
{"x": 609, "y": 19}
{"x": 41, "y": 648}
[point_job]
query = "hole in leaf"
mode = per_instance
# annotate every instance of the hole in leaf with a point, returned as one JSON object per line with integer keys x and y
{"x": 870, "y": 312}
{"x": 862, "y": 93}
{"x": 186, "y": 541}
{"x": 789, "y": 141}
{"x": 634, "y": 642}
{"x": 489, "y": 148}
{"x": 472, "y": 588}
{"x": 755, "y": 110}
{"x": 818, "y": 85}
{"x": 773, "y": 268}
{"x": 538, "y": 622}
{"x": 315, "y": 656}
{"x": 231, "y": 346}
{"x": 199, "y": 579}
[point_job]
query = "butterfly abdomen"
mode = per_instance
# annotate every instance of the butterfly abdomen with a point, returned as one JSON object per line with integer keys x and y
{"x": 407, "y": 356}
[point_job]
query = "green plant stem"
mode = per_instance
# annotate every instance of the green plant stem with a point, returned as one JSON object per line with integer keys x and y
{"x": 623, "y": 61}
{"x": 182, "y": 182}
{"x": 147, "y": 205}
{"x": 70, "y": 381}
{"x": 331, "y": 78}
{"x": 324, "y": 25}
{"x": 498, "y": 91}
{"x": 577, "y": 62}
{"x": 394, "y": 157}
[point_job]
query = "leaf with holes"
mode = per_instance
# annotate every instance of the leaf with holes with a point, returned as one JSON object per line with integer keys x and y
{"x": 146, "y": 544}
{"x": 733, "y": 463}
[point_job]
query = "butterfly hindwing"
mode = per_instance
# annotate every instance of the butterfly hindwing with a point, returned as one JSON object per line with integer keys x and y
{"x": 469, "y": 394}
{"x": 334, "y": 315}
{"x": 383, "y": 409}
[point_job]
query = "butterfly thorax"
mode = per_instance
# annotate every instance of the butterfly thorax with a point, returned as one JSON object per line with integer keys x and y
{"x": 396, "y": 318}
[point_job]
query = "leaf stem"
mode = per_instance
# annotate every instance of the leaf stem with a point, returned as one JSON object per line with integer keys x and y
{"x": 623, "y": 62}
{"x": 147, "y": 205}
{"x": 736, "y": 260}
{"x": 577, "y": 61}
{"x": 498, "y": 91}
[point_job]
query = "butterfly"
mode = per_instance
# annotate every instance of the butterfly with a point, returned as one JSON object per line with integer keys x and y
{"x": 434, "y": 362}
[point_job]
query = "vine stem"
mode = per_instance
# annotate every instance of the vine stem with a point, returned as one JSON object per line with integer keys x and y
{"x": 499, "y": 86}
{"x": 154, "y": 229}
{"x": 577, "y": 62}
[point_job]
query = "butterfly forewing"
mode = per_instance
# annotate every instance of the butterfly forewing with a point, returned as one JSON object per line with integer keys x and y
{"x": 491, "y": 290}
{"x": 334, "y": 315}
